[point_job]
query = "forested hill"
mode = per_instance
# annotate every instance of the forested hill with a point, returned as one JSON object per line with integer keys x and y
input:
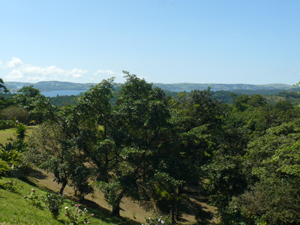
{"x": 58, "y": 85}
{"x": 218, "y": 87}
{"x": 49, "y": 85}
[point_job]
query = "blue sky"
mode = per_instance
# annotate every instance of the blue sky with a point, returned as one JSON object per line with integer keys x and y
{"x": 163, "y": 41}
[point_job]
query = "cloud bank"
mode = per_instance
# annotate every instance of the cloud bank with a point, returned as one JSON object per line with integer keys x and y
{"x": 14, "y": 62}
{"x": 28, "y": 72}
{"x": 17, "y": 70}
{"x": 108, "y": 72}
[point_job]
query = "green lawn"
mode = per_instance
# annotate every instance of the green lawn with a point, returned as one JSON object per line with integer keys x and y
{"x": 15, "y": 209}
{"x": 9, "y": 133}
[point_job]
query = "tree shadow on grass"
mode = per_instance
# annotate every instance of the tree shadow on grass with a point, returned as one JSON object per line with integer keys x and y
{"x": 36, "y": 174}
{"x": 28, "y": 181}
{"x": 103, "y": 213}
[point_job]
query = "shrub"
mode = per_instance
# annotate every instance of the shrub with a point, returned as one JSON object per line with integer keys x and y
{"x": 158, "y": 220}
{"x": 12, "y": 186}
{"x": 77, "y": 216}
{"x": 53, "y": 203}
{"x": 33, "y": 199}
{"x": 15, "y": 112}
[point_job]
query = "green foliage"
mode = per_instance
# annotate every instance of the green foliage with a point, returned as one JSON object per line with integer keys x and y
{"x": 29, "y": 91}
{"x": 6, "y": 124}
{"x": 273, "y": 163}
{"x": 79, "y": 180}
{"x": 11, "y": 112}
{"x": 53, "y": 203}
{"x": 12, "y": 185}
{"x": 272, "y": 200}
{"x": 34, "y": 199}
{"x": 167, "y": 190}
{"x": 4, "y": 167}
{"x": 11, "y": 152}
{"x": 158, "y": 220}
{"x": 113, "y": 192}
{"x": 151, "y": 146}
{"x": 3, "y": 87}
{"x": 62, "y": 101}
{"x": 51, "y": 148}
{"x": 10, "y": 155}
{"x": 77, "y": 216}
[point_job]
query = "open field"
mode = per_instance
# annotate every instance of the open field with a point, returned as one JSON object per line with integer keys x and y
{"x": 9, "y": 133}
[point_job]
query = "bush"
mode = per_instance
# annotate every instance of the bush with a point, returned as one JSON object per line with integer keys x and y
{"x": 158, "y": 220}
{"x": 77, "y": 216}
{"x": 12, "y": 186}
{"x": 53, "y": 203}
{"x": 34, "y": 199}
{"x": 14, "y": 112}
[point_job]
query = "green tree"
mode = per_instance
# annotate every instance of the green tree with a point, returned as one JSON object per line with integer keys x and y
{"x": 56, "y": 147}
{"x": 29, "y": 91}
{"x": 273, "y": 163}
{"x": 11, "y": 154}
{"x": 3, "y": 87}
{"x": 12, "y": 112}
{"x": 4, "y": 90}
{"x": 94, "y": 105}
{"x": 38, "y": 106}
{"x": 134, "y": 132}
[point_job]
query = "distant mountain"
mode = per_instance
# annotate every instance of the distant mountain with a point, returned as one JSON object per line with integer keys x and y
{"x": 58, "y": 85}
{"x": 219, "y": 87}
{"x": 49, "y": 86}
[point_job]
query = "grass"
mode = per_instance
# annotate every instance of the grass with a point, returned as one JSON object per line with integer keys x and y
{"x": 9, "y": 133}
{"x": 15, "y": 209}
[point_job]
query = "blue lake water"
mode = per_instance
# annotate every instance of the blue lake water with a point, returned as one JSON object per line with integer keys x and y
{"x": 62, "y": 92}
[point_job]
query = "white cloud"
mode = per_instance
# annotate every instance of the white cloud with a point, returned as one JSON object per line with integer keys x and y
{"x": 145, "y": 77}
{"x": 15, "y": 75}
{"x": 0, "y": 63}
{"x": 27, "y": 72}
{"x": 109, "y": 72}
{"x": 45, "y": 71}
{"x": 15, "y": 62}
{"x": 76, "y": 73}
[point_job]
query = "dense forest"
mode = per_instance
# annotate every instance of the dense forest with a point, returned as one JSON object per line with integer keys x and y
{"x": 240, "y": 151}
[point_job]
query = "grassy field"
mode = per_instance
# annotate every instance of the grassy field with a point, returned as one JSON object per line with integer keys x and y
{"x": 9, "y": 133}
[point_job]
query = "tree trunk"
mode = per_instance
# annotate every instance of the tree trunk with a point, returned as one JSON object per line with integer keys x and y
{"x": 173, "y": 213}
{"x": 116, "y": 210}
{"x": 64, "y": 184}
{"x": 177, "y": 209}
{"x": 180, "y": 190}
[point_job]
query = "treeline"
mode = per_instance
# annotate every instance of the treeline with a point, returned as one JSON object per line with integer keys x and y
{"x": 271, "y": 96}
{"x": 243, "y": 157}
